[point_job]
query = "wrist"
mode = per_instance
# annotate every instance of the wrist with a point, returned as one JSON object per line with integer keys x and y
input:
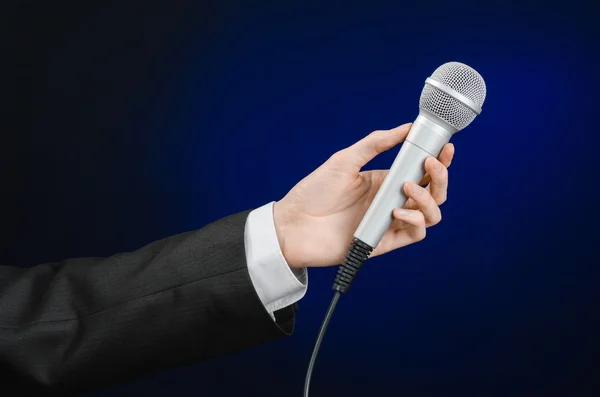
{"x": 282, "y": 221}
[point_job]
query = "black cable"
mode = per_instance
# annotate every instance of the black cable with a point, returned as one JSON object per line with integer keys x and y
{"x": 357, "y": 254}
{"x": 313, "y": 358}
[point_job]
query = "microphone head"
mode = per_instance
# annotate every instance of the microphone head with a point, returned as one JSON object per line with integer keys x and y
{"x": 454, "y": 94}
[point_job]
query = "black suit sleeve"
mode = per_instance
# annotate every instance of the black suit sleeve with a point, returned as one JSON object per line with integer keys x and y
{"x": 85, "y": 323}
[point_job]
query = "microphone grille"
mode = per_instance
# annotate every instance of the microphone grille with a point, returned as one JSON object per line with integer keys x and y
{"x": 461, "y": 78}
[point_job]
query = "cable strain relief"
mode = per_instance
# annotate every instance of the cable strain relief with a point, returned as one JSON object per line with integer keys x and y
{"x": 357, "y": 254}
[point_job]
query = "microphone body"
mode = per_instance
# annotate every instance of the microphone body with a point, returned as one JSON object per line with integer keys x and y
{"x": 425, "y": 139}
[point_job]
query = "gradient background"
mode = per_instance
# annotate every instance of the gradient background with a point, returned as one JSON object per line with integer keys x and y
{"x": 126, "y": 123}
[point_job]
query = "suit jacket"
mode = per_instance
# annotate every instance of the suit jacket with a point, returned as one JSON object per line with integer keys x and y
{"x": 85, "y": 323}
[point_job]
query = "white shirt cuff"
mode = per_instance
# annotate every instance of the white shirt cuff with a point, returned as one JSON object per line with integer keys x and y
{"x": 276, "y": 284}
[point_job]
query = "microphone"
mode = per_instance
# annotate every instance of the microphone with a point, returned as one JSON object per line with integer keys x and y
{"x": 451, "y": 99}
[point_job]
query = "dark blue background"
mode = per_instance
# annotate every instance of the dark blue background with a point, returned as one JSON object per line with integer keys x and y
{"x": 126, "y": 123}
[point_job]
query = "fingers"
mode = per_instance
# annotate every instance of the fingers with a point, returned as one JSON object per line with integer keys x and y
{"x": 424, "y": 202}
{"x": 438, "y": 187}
{"x": 445, "y": 158}
{"x": 422, "y": 208}
{"x": 359, "y": 154}
{"x": 446, "y": 155}
{"x": 409, "y": 224}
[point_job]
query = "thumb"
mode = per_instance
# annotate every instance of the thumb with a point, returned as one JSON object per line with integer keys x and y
{"x": 359, "y": 154}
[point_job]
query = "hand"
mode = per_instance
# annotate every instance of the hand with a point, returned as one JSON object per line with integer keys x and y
{"x": 316, "y": 220}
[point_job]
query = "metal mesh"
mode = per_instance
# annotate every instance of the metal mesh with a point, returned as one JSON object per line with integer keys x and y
{"x": 461, "y": 78}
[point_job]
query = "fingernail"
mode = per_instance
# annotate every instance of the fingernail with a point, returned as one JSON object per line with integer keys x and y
{"x": 436, "y": 163}
{"x": 402, "y": 213}
{"x": 416, "y": 190}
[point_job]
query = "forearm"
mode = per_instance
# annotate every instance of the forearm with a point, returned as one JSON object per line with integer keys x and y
{"x": 91, "y": 322}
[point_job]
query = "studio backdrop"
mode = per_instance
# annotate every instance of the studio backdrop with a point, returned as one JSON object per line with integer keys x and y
{"x": 129, "y": 122}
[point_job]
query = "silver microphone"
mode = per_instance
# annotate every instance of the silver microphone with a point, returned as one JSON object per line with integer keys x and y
{"x": 451, "y": 99}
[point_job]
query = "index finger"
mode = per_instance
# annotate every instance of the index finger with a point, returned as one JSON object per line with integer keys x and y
{"x": 359, "y": 154}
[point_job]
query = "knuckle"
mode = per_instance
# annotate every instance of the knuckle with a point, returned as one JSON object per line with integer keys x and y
{"x": 437, "y": 218}
{"x": 443, "y": 170}
{"x": 420, "y": 221}
{"x": 442, "y": 199}
{"x": 439, "y": 172}
{"x": 420, "y": 234}
{"x": 376, "y": 138}
{"x": 337, "y": 156}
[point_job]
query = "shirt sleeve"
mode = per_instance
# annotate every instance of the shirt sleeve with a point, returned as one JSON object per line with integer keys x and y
{"x": 276, "y": 284}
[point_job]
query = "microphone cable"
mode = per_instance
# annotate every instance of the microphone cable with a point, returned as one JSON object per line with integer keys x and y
{"x": 357, "y": 254}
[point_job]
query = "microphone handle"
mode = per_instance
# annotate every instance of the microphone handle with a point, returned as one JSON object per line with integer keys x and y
{"x": 425, "y": 139}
